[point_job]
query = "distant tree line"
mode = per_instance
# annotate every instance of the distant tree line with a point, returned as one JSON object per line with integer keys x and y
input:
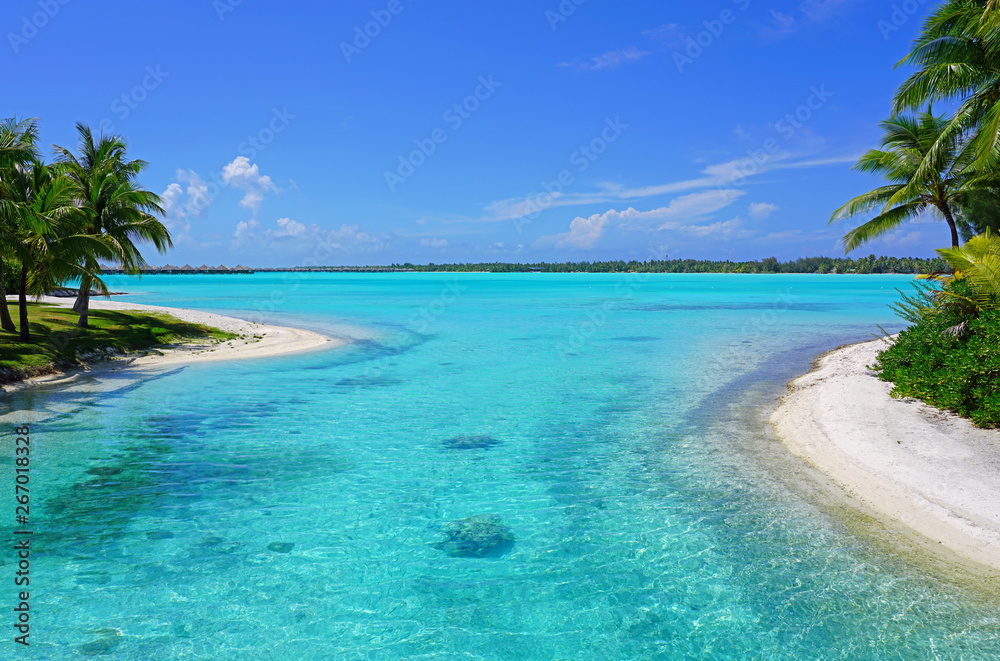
{"x": 870, "y": 264}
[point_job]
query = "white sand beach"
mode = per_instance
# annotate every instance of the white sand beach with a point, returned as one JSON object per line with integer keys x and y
{"x": 259, "y": 341}
{"x": 901, "y": 460}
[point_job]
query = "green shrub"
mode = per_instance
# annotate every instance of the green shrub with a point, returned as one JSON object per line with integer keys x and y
{"x": 949, "y": 359}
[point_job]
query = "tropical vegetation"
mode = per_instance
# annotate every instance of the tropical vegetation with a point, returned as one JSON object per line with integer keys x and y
{"x": 945, "y": 166}
{"x": 60, "y": 221}
{"x": 912, "y": 192}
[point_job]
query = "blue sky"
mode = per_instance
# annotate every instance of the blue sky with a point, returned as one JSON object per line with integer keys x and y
{"x": 379, "y": 131}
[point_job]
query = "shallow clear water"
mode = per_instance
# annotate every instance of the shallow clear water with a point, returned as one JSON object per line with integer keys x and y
{"x": 644, "y": 525}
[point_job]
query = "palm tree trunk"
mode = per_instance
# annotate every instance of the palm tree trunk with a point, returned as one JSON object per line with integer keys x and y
{"x": 22, "y": 304}
{"x": 5, "y": 321}
{"x": 946, "y": 211}
{"x": 84, "y": 286}
{"x": 83, "y": 300}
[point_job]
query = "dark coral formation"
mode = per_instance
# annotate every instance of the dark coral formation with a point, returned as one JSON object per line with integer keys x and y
{"x": 471, "y": 443}
{"x": 476, "y": 537}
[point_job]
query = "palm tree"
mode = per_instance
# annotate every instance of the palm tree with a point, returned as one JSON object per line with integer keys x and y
{"x": 47, "y": 241}
{"x": 906, "y": 144}
{"x": 958, "y": 59}
{"x": 978, "y": 263}
{"x": 17, "y": 140}
{"x": 114, "y": 205}
{"x": 17, "y": 146}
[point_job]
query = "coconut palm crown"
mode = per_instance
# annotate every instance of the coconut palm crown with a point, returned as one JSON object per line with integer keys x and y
{"x": 942, "y": 190}
{"x": 113, "y": 204}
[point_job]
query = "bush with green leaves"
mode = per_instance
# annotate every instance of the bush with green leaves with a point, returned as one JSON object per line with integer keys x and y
{"x": 950, "y": 356}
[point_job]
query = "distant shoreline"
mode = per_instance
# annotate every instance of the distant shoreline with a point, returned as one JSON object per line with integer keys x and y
{"x": 387, "y": 270}
{"x": 901, "y": 460}
{"x": 805, "y": 265}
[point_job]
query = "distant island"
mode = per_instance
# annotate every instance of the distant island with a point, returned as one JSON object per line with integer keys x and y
{"x": 820, "y": 265}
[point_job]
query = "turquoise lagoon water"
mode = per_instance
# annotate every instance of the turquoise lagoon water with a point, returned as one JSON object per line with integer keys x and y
{"x": 292, "y": 507}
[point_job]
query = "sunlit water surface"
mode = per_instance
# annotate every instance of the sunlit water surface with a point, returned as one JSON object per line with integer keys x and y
{"x": 611, "y": 426}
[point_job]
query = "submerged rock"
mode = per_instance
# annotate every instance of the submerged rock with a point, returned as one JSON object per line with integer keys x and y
{"x": 369, "y": 382}
{"x": 104, "y": 471}
{"x": 109, "y": 640}
{"x": 160, "y": 534}
{"x": 471, "y": 442}
{"x": 476, "y": 537}
{"x": 281, "y": 547}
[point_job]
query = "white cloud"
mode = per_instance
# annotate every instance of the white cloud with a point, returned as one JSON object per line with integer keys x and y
{"x": 174, "y": 203}
{"x": 810, "y": 13}
{"x": 244, "y": 231}
{"x": 197, "y": 190}
{"x": 761, "y": 210}
{"x": 174, "y": 213}
{"x": 725, "y": 230}
{"x": 610, "y": 60}
{"x": 287, "y": 227}
{"x": 584, "y": 233}
{"x": 697, "y": 204}
{"x": 819, "y": 11}
{"x": 434, "y": 243}
{"x": 730, "y": 174}
{"x": 784, "y": 236}
{"x": 179, "y": 205}
{"x": 245, "y": 176}
{"x": 353, "y": 238}
{"x": 291, "y": 237}
{"x": 171, "y": 201}
{"x": 799, "y": 236}
{"x": 783, "y": 23}
{"x": 616, "y": 58}
{"x": 190, "y": 195}
{"x": 902, "y": 239}
{"x": 670, "y": 35}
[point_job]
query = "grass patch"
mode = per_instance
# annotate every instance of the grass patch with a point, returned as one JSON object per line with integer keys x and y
{"x": 57, "y": 341}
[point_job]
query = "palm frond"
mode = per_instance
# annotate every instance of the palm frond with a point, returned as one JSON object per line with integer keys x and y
{"x": 881, "y": 225}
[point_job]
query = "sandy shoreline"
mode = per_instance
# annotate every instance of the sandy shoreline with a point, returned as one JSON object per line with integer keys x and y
{"x": 901, "y": 460}
{"x": 260, "y": 341}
